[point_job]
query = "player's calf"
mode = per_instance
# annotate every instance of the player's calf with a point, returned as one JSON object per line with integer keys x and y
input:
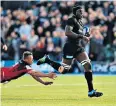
{"x": 62, "y": 68}
{"x": 89, "y": 77}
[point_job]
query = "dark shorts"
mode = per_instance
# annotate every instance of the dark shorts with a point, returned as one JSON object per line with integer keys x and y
{"x": 71, "y": 50}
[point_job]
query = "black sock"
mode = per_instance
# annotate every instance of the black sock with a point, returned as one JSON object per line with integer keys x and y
{"x": 54, "y": 64}
{"x": 88, "y": 76}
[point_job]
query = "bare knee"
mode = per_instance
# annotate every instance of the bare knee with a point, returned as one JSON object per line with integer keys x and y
{"x": 65, "y": 66}
{"x": 87, "y": 65}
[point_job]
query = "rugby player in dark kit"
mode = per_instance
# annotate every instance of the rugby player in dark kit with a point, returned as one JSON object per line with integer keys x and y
{"x": 73, "y": 50}
{"x": 23, "y": 67}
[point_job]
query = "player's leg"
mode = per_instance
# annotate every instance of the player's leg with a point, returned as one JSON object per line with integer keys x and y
{"x": 68, "y": 57}
{"x": 2, "y": 74}
{"x": 60, "y": 67}
{"x": 63, "y": 67}
{"x": 67, "y": 64}
{"x": 85, "y": 61}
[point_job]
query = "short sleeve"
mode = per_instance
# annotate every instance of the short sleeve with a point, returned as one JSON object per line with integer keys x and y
{"x": 29, "y": 69}
{"x": 70, "y": 22}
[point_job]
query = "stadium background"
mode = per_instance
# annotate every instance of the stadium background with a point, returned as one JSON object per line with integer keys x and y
{"x": 39, "y": 26}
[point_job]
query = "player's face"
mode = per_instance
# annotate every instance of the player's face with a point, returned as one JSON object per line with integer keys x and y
{"x": 30, "y": 59}
{"x": 79, "y": 13}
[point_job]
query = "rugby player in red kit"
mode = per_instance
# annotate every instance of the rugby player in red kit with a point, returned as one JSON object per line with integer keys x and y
{"x": 22, "y": 68}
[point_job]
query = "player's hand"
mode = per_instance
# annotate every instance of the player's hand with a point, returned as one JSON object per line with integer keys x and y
{"x": 87, "y": 31}
{"x": 87, "y": 34}
{"x": 5, "y": 47}
{"x": 48, "y": 83}
{"x": 87, "y": 39}
{"x": 52, "y": 75}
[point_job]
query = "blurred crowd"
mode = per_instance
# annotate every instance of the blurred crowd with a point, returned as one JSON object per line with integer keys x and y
{"x": 40, "y": 26}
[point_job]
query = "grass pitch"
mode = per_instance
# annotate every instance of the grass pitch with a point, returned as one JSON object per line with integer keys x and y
{"x": 66, "y": 91}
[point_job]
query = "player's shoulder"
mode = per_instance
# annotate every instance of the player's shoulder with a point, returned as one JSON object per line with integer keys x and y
{"x": 24, "y": 64}
{"x": 70, "y": 21}
{"x": 71, "y": 17}
{"x": 16, "y": 64}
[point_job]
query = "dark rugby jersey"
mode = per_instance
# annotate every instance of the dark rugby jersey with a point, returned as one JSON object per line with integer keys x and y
{"x": 77, "y": 28}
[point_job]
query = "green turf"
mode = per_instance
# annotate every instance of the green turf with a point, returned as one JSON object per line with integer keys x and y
{"x": 66, "y": 91}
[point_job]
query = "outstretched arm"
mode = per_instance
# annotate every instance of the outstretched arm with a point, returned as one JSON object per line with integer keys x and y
{"x": 41, "y": 81}
{"x": 41, "y": 74}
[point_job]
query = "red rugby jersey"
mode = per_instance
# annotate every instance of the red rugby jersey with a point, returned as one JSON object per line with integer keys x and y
{"x": 16, "y": 71}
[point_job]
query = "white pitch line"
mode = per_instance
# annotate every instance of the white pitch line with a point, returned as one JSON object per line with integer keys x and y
{"x": 76, "y": 84}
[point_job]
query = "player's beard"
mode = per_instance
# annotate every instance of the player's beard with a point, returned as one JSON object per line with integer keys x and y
{"x": 79, "y": 16}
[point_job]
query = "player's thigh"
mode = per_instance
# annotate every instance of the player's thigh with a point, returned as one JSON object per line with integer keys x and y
{"x": 68, "y": 53}
{"x": 82, "y": 56}
{"x": 2, "y": 74}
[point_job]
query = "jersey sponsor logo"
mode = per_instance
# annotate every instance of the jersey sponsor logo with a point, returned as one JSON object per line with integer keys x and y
{"x": 69, "y": 57}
